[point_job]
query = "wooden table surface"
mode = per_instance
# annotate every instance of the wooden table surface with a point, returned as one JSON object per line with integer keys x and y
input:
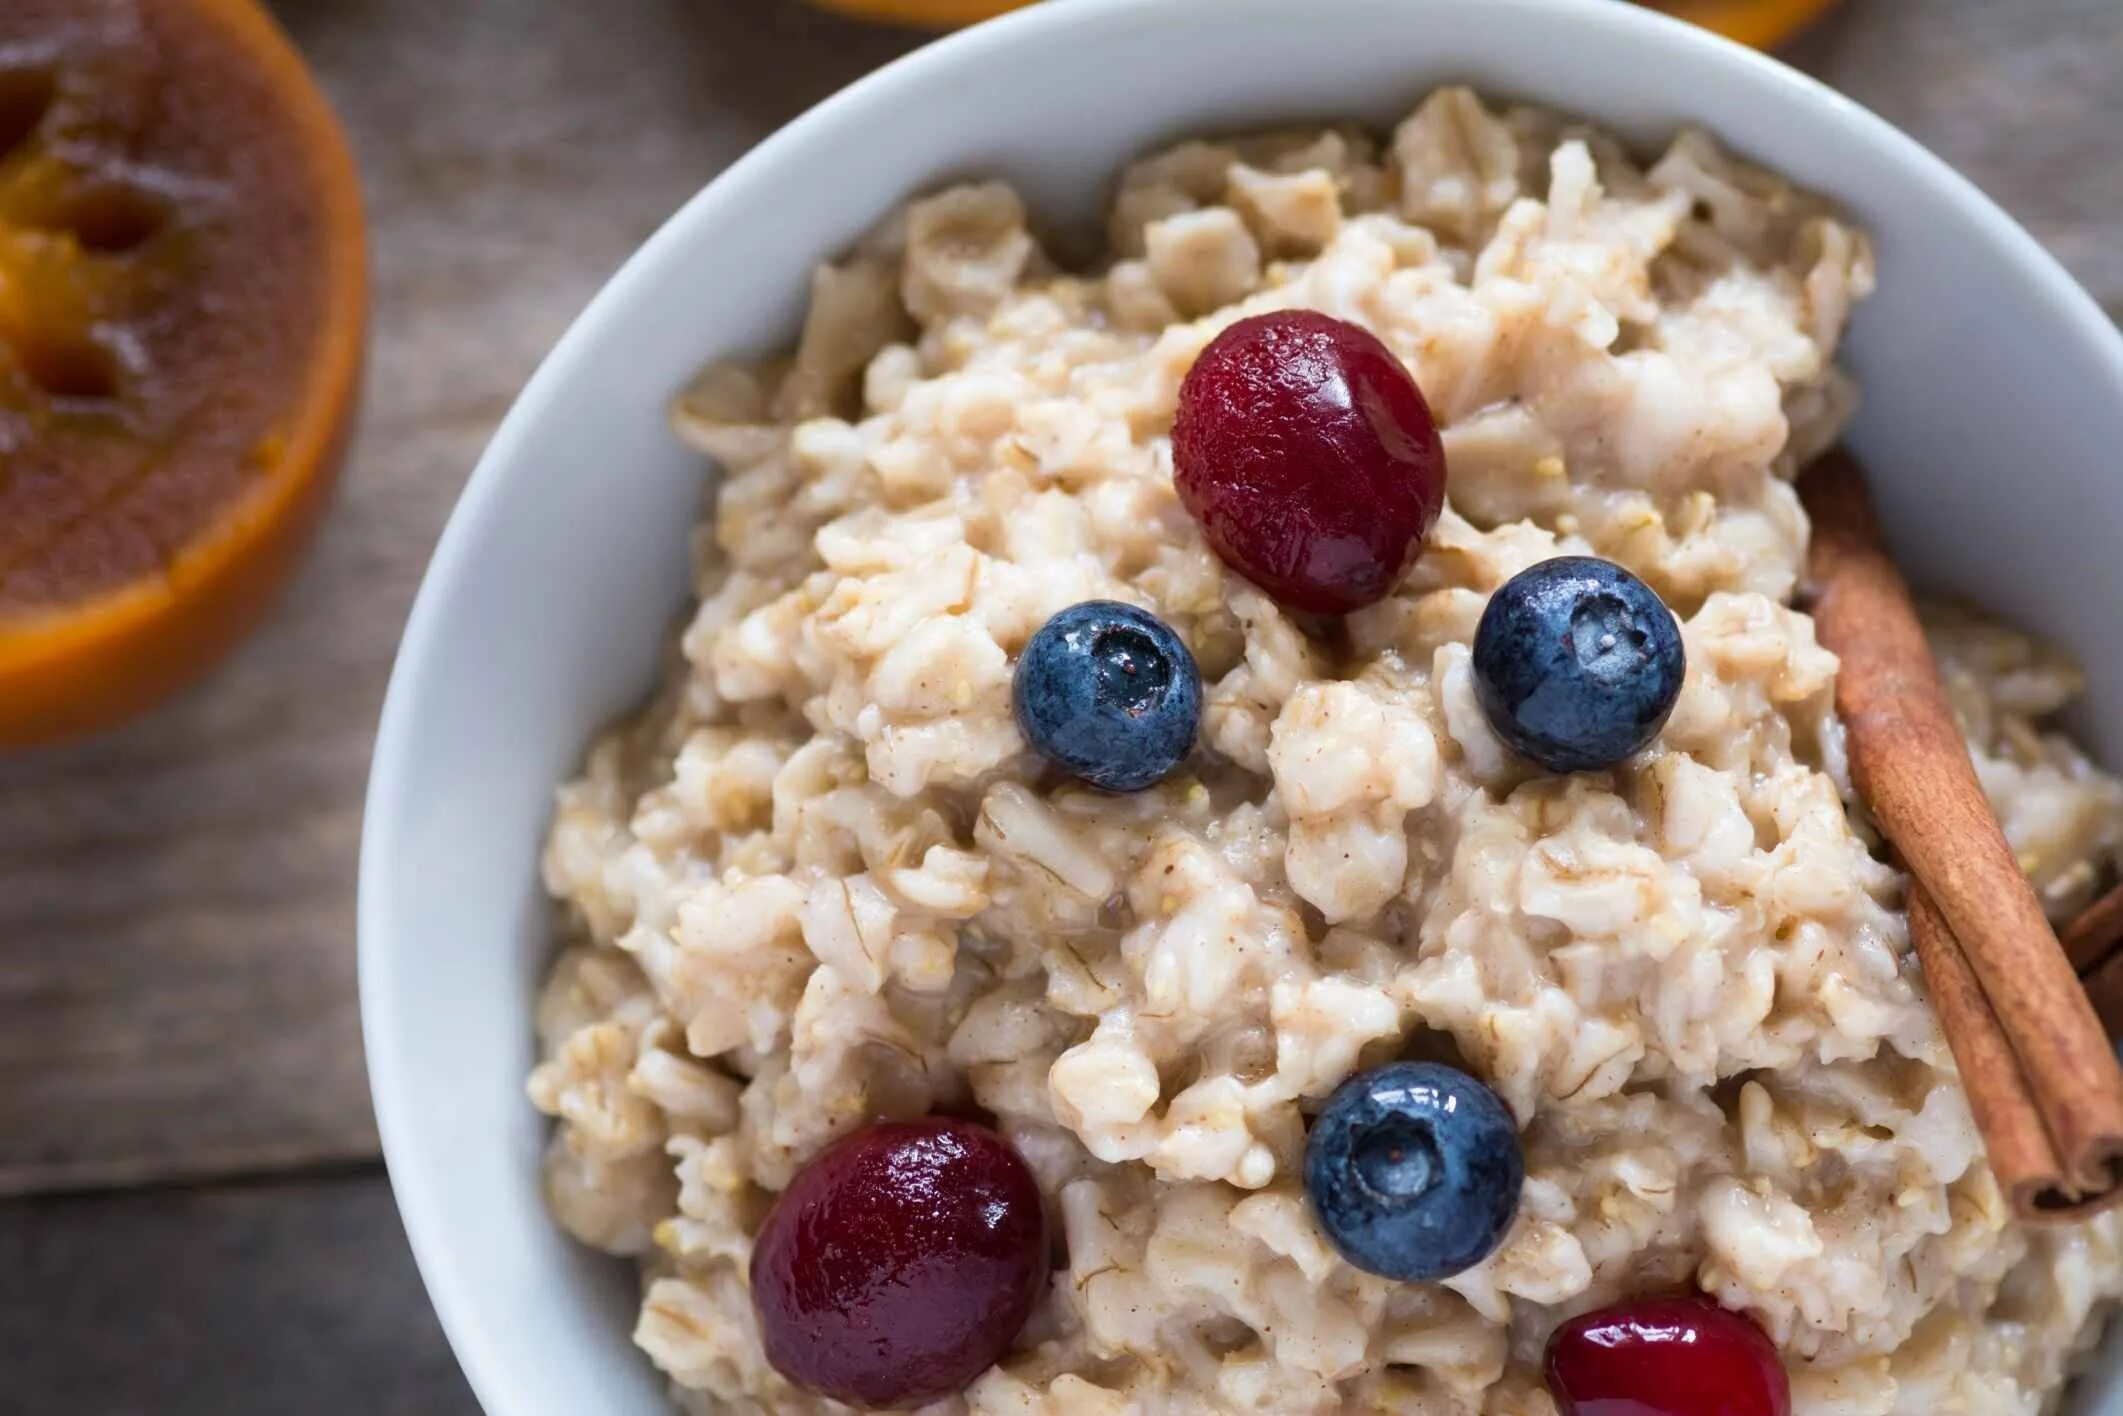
{"x": 199, "y": 1221}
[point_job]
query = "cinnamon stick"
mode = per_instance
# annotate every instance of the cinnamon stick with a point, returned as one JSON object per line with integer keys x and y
{"x": 2104, "y": 989}
{"x": 2094, "y": 942}
{"x": 1910, "y": 764}
{"x": 2096, "y": 933}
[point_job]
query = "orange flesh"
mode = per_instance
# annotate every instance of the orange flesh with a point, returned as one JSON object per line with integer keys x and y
{"x": 181, "y": 308}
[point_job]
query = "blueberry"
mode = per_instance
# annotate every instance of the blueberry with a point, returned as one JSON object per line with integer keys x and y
{"x": 1414, "y": 1170}
{"x": 1577, "y": 663}
{"x": 1108, "y": 692}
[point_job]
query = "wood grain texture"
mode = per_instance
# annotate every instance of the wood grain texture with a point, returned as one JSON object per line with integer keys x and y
{"x": 2025, "y": 98}
{"x": 176, "y": 899}
{"x": 250, "y": 1300}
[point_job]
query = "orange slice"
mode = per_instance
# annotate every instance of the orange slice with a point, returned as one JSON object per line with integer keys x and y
{"x": 1761, "y": 23}
{"x": 939, "y": 13}
{"x": 1757, "y": 22}
{"x": 182, "y": 299}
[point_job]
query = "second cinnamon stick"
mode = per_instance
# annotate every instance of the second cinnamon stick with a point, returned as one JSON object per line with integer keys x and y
{"x": 2022, "y": 1157}
{"x": 2094, "y": 943}
{"x": 2097, "y": 934}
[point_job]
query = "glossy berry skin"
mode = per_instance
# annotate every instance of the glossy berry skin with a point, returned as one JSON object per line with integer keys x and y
{"x": 1414, "y": 1170}
{"x": 1309, "y": 458}
{"x": 900, "y": 1263}
{"x": 1677, "y": 1356}
{"x": 1108, "y": 692}
{"x": 1577, "y": 663}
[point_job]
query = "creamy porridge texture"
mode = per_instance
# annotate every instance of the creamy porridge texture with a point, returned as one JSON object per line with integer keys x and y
{"x": 822, "y": 880}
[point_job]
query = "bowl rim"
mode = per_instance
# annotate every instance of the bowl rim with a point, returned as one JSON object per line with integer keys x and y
{"x": 452, "y": 1287}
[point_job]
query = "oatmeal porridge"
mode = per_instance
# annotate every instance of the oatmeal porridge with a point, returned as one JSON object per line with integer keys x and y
{"x": 823, "y": 879}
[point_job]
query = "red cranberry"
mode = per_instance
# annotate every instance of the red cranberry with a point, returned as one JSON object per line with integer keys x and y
{"x": 1309, "y": 458}
{"x": 1679, "y": 1356}
{"x": 900, "y": 1263}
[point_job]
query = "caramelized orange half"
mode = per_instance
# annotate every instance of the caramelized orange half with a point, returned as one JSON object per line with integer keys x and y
{"x": 181, "y": 315}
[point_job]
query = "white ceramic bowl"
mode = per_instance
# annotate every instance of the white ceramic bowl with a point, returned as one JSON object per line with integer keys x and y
{"x": 1994, "y": 406}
